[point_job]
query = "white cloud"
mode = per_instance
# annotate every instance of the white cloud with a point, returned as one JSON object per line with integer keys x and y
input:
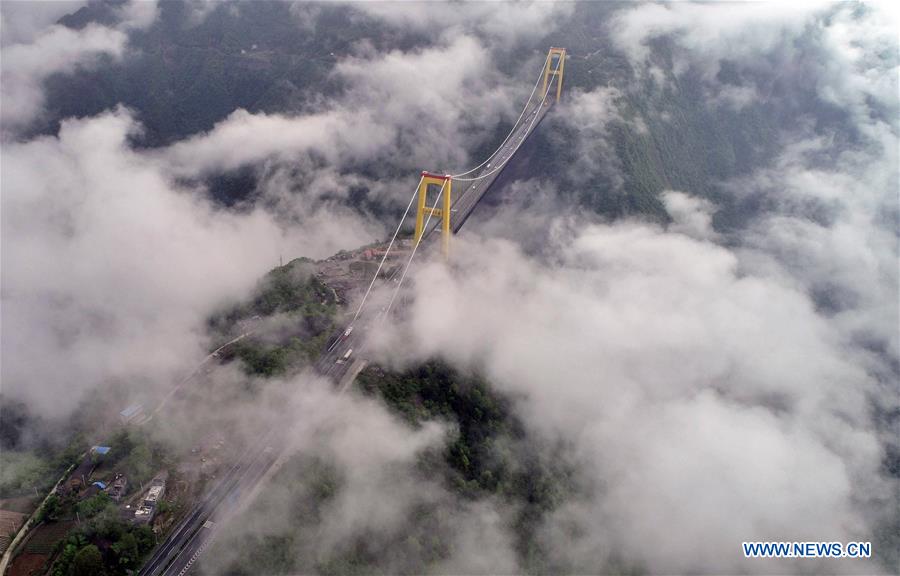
{"x": 417, "y": 110}
{"x": 56, "y": 50}
{"x": 848, "y": 253}
{"x": 709, "y": 398}
{"x": 498, "y": 22}
{"x": 708, "y": 406}
{"x": 830, "y": 194}
{"x": 860, "y": 66}
{"x": 244, "y": 138}
{"x": 35, "y": 48}
{"x": 736, "y": 97}
{"x": 109, "y": 269}
{"x": 690, "y": 215}
{"x": 710, "y": 31}
{"x": 22, "y": 21}
{"x": 200, "y": 9}
{"x": 590, "y": 115}
{"x": 379, "y": 500}
{"x": 137, "y": 14}
{"x": 854, "y": 58}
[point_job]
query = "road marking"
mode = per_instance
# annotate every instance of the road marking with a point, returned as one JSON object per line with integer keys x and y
{"x": 187, "y": 567}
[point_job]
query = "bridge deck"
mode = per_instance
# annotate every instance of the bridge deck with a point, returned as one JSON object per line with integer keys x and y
{"x": 184, "y": 545}
{"x": 464, "y": 204}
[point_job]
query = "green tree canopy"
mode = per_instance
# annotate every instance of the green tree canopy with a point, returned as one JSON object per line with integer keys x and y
{"x": 88, "y": 562}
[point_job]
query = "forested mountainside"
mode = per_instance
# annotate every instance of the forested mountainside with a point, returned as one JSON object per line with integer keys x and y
{"x": 187, "y": 73}
{"x": 670, "y": 327}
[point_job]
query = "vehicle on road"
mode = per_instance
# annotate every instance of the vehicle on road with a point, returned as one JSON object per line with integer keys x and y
{"x": 343, "y": 359}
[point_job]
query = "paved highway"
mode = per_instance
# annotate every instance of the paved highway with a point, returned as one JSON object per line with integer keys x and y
{"x": 465, "y": 203}
{"x": 179, "y": 552}
{"x": 241, "y": 486}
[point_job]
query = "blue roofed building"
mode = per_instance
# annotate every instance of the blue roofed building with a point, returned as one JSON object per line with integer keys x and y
{"x": 133, "y": 413}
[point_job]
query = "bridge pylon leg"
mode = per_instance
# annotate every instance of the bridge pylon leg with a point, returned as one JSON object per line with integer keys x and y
{"x": 554, "y": 70}
{"x": 423, "y": 209}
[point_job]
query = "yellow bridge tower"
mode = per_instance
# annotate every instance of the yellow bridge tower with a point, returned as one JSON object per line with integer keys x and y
{"x": 552, "y": 69}
{"x": 446, "y": 184}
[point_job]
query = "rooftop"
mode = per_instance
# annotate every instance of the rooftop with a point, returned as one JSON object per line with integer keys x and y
{"x": 131, "y": 411}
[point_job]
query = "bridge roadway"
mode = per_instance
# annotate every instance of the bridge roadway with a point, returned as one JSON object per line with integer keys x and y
{"x": 464, "y": 204}
{"x": 178, "y": 554}
{"x": 330, "y": 363}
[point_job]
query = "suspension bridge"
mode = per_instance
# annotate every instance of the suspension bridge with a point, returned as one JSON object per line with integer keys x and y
{"x": 344, "y": 358}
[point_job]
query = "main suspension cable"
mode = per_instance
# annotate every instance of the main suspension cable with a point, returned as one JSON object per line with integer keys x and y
{"x": 525, "y": 109}
{"x": 456, "y": 177}
{"x": 386, "y": 252}
{"x": 413, "y": 253}
{"x": 519, "y": 145}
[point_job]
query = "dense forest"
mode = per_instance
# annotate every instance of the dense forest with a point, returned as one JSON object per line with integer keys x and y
{"x": 184, "y": 78}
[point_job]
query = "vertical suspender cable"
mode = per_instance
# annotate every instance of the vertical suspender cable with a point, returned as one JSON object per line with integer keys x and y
{"x": 431, "y": 212}
{"x": 525, "y": 109}
{"x": 413, "y": 254}
{"x": 383, "y": 258}
{"x": 533, "y": 120}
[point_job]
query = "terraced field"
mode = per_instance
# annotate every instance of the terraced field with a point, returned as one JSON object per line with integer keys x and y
{"x": 9, "y": 524}
{"x": 45, "y": 537}
{"x": 27, "y": 564}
